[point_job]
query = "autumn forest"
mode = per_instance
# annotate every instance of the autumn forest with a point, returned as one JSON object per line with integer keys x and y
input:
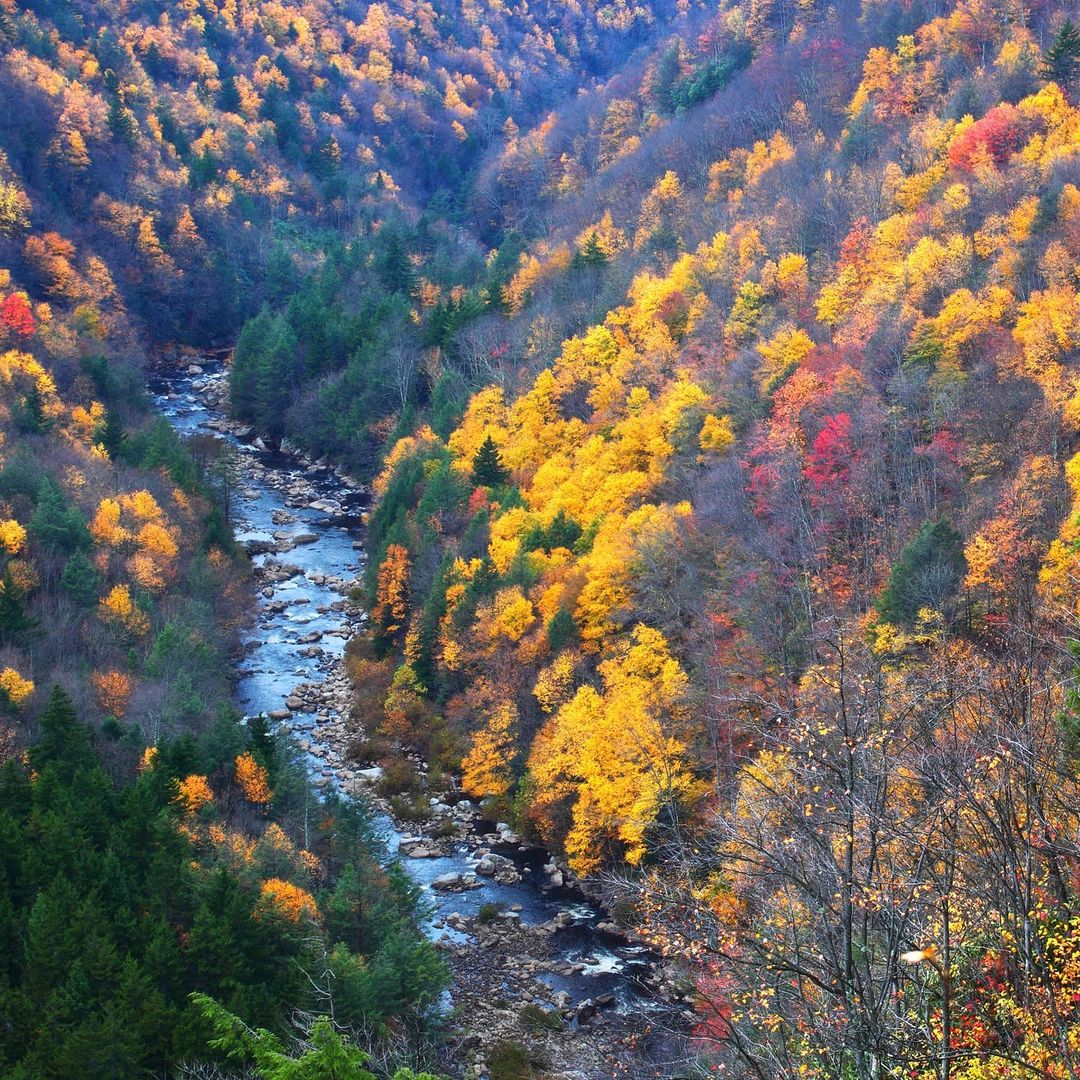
{"x": 697, "y": 388}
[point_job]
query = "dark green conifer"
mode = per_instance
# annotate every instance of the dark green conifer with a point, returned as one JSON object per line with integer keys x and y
{"x": 122, "y": 122}
{"x": 926, "y": 574}
{"x": 30, "y": 413}
{"x": 64, "y": 740}
{"x": 395, "y": 268}
{"x": 111, "y": 435}
{"x": 17, "y": 627}
{"x": 487, "y": 466}
{"x": 329, "y": 162}
{"x": 229, "y": 96}
{"x": 1061, "y": 61}
{"x": 57, "y": 525}
{"x": 591, "y": 254}
{"x": 81, "y": 580}
{"x": 561, "y": 630}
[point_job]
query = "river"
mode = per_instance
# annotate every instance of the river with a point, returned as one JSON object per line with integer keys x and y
{"x": 297, "y": 641}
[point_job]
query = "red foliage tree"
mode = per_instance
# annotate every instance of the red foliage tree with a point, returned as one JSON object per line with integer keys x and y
{"x": 998, "y": 134}
{"x": 16, "y": 315}
{"x": 832, "y": 454}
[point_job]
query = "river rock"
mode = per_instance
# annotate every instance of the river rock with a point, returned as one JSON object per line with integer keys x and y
{"x": 611, "y": 929}
{"x": 506, "y": 834}
{"x": 455, "y": 882}
{"x": 418, "y": 847}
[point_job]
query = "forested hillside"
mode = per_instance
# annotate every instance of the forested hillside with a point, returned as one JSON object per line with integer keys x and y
{"x": 752, "y": 567}
{"x": 716, "y": 371}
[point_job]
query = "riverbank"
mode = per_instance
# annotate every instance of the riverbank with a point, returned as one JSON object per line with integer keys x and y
{"x": 536, "y": 964}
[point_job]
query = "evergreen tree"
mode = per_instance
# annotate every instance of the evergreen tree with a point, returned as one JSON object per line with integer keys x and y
{"x": 172, "y": 132}
{"x": 326, "y": 1055}
{"x": 926, "y": 575}
{"x": 154, "y": 63}
{"x": 111, "y": 435}
{"x": 64, "y": 740}
{"x": 487, "y": 466}
{"x": 30, "y": 413}
{"x": 243, "y": 371}
{"x": 274, "y": 379}
{"x": 81, "y": 580}
{"x": 202, "y": 169}
{"x": 395, "y": 269}
{"x": 664, "y": 78}
{"x": 562, "y": 631}
{"x": 229, "y": 96}
{"x": 592, "y": 254}
{"x": 16, "y": 624}
{"x": 122, "y": 122}
{"x": 57, "y": 526}
{"x": 1062, "y": 60}
{"x": 328, "y": 162}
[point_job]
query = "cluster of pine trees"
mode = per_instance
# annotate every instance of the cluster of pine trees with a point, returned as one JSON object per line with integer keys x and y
{"x": 130, "y": 901}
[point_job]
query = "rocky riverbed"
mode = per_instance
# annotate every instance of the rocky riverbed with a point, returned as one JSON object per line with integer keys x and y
{"x": 534, "y": 960}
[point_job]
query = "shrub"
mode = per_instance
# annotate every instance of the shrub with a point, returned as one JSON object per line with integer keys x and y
{"x": 509, "y": 1060}
{"x": 412, "y": 808}
{"x": 540, "y": 1019}
{"x": 399, "y": 777}
{"x": 488, "y": 913}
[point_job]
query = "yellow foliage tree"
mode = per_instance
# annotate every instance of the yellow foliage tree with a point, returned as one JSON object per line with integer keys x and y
{"x": 612, "y": 755}
{"x": 119, "y": 609}
{"x": 716, "y": 435}
{"x": 251, "y": 777}
{"x": 14, "y": 687}
{"x": 285, "y": 898}
{"x": 392, "y": 594}
{"x": 12, "y": 536}
{"x": 781, "y": 355}
{"x": 555, "y": 683}
{"x": 486, "y": 768}
{"x": 113, "y": 690}
{"x": 512, "y": 614}
{"x": 193, "y": 793}
{"x": 105, "y": 527}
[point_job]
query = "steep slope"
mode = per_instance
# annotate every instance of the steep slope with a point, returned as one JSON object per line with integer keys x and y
{"x": 185, "y": 148}
{"x": 765, "y": 574}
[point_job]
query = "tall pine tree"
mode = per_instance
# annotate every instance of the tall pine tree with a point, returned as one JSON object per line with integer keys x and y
{"x": 487, "y": 467}
{"x": 1062, "y": 60}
